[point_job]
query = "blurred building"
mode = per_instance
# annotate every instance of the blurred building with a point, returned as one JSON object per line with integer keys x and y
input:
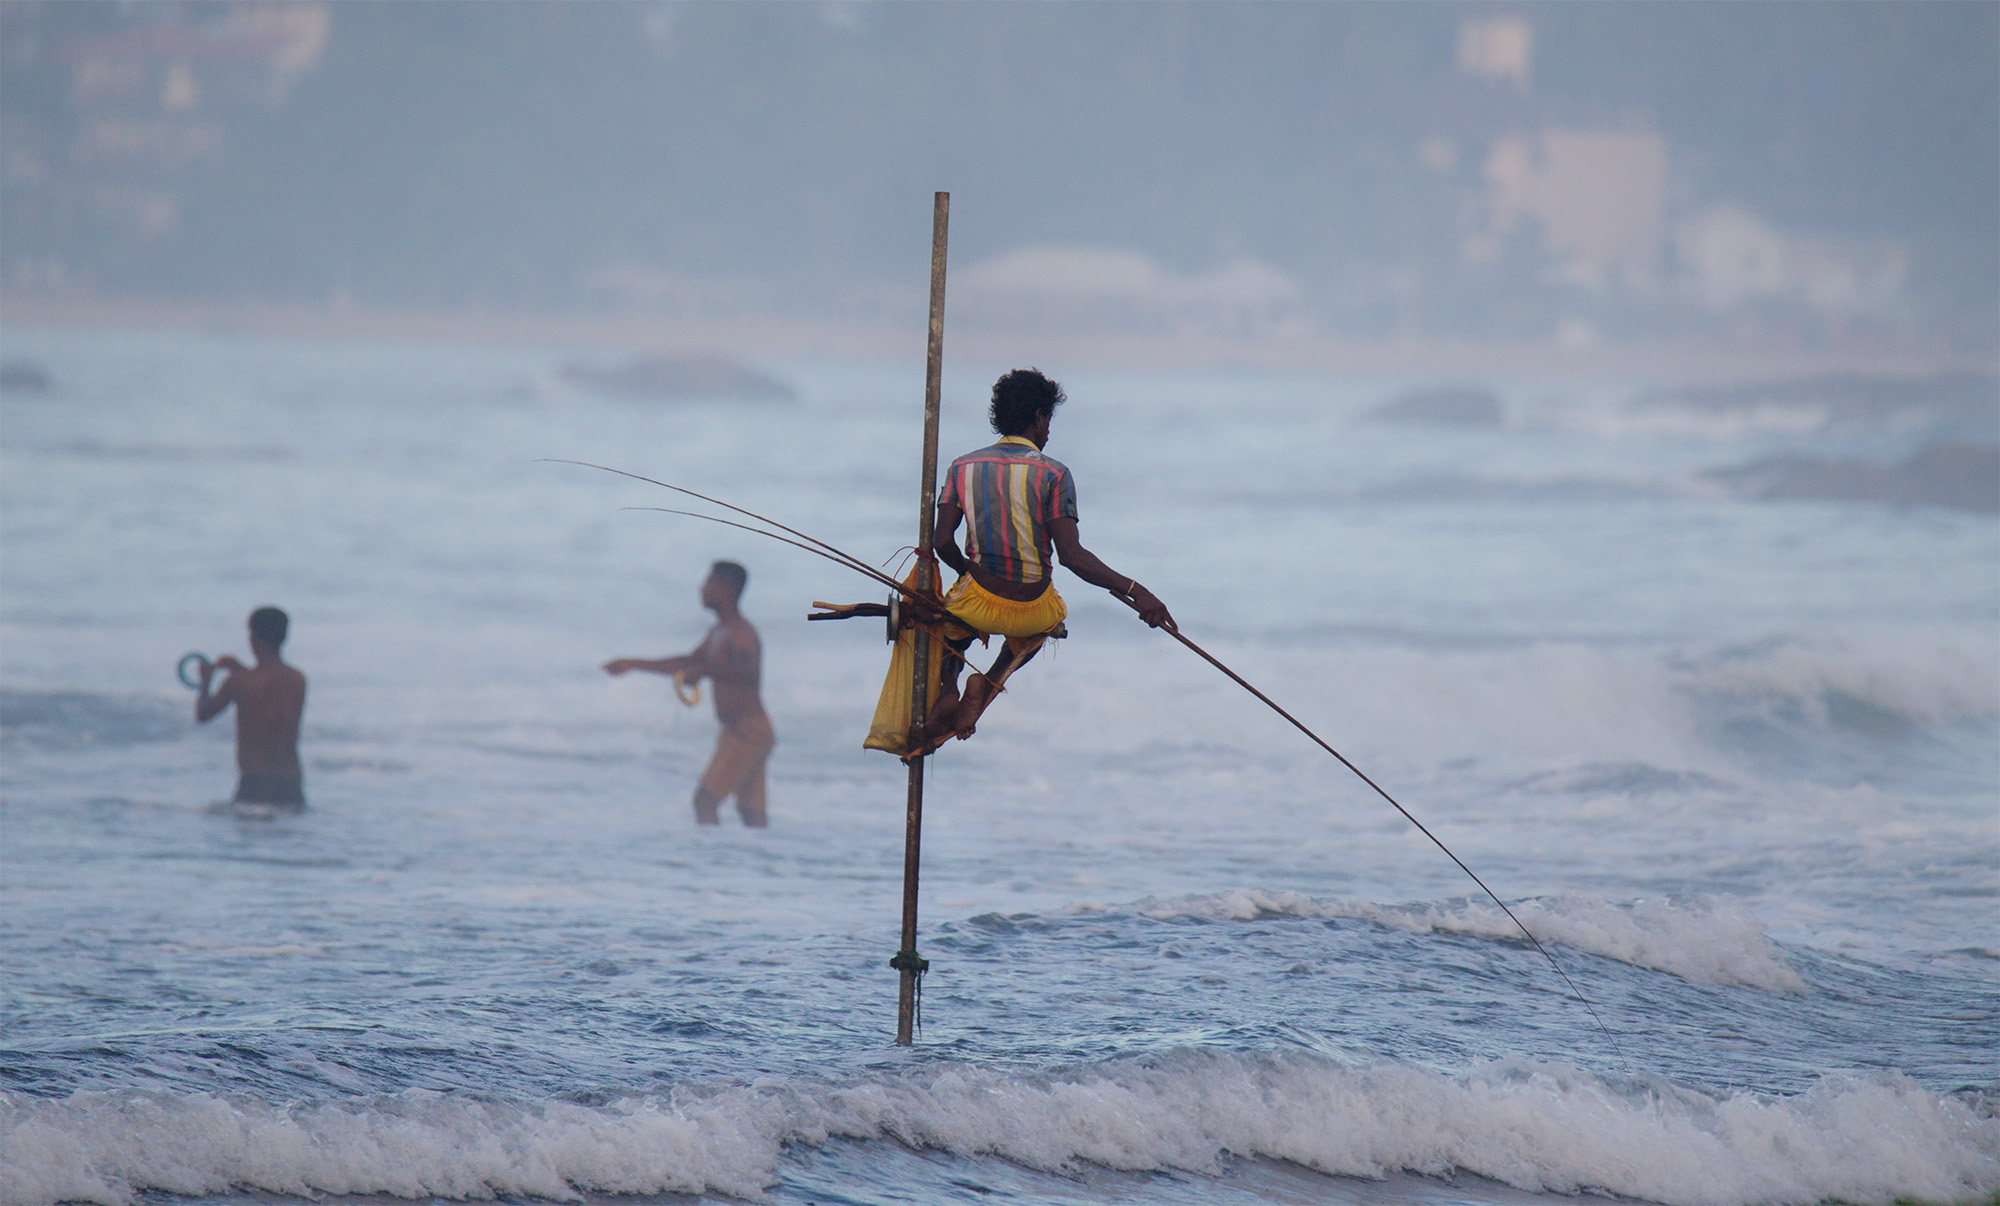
{"x": 136, "y": 104}
{"x": 1590, "y": 218}
{"x": 1599, "y": 197}
{"x": 1810, "y": 172}
{"x": 1497, "y": 48}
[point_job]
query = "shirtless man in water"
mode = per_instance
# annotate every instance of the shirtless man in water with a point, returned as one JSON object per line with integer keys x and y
{"x": 270, "y": 697}
{"x": 731, "y": 657}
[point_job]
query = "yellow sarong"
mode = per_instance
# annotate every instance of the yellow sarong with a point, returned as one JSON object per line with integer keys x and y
{"x": 984, "y": 614}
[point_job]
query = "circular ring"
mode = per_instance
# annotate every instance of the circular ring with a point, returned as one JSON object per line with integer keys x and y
{"x": 182, "y": 669}
{"x": 690, "y": 692}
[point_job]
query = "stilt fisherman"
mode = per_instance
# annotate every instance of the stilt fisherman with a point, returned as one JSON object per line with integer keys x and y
{"x": 1018, "y": 505}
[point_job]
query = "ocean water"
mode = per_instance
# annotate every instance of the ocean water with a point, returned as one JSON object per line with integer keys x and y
{"x": 1737, "y": 764}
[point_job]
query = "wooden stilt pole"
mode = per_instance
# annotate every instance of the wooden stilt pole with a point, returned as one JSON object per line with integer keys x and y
{"x": 908, "y": 962}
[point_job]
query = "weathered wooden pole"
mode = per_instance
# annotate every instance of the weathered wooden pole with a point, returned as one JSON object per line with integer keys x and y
{"x": 908, "y": 963}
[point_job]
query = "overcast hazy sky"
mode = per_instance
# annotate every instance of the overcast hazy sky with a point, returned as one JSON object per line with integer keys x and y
{"x": 782, "y": 155}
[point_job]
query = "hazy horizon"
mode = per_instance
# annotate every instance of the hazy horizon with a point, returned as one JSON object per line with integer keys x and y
{"x": 1804, "y": 175}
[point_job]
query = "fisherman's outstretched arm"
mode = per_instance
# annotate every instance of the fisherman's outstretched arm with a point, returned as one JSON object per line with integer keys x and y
{"x": 1087, "y": 566}
{"x": 685, "y": 664}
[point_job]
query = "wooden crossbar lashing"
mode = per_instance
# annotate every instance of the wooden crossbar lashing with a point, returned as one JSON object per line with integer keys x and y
{"x": 847, "y": 611}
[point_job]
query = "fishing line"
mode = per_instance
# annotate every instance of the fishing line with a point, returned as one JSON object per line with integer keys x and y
{"x": 839, "y": 557}
{"x": 832, "y": 554}
{"x": 1244, "y": 683}
{"x": 884, "y": 578}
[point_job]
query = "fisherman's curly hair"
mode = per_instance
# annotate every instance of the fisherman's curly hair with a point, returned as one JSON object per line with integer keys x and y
{"x": 1019, "y": 397}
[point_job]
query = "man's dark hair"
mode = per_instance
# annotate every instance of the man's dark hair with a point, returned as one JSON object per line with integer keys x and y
{"x": 732, "y": 575}
{"x": 1019, "y": 397}
{"x": 270, "y": 625}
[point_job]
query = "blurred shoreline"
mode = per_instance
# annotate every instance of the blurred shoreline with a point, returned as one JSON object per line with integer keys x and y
{"x": 769, "y": 337}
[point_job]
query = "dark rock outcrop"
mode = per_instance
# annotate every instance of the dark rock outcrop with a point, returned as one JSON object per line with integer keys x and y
{"x": 1961, "y": 476}
{"x": 24, "y": 377}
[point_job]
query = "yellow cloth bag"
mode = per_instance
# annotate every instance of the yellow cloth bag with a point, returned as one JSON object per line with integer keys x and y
{"x": 890, "y": 730}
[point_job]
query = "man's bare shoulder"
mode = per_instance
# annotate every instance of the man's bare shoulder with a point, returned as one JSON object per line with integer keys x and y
{"x": 283, "y": 680}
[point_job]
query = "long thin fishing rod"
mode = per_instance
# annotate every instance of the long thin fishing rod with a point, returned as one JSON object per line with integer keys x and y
{"x": 844, "y": 557}
{"x": 1244, "y": 683}
{"x": 797, "y": 544}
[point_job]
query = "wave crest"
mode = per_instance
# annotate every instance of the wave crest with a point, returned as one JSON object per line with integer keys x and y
{"x": 1927, "y": 680}
{"x": 1697, "y": 938}
{"x": 1540, "y": 1127}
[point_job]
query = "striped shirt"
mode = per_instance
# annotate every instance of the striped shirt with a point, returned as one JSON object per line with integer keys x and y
{"x": 1010, "y": 494}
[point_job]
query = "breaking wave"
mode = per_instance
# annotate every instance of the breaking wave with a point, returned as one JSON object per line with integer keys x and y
{"x": 1919, "y": 680}
{"x": 1699, "y": 939}
{"x": 1685, "y": 709}
{"x": 1540, "y": 1127}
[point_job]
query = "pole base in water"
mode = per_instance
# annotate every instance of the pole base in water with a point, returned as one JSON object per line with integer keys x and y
{"x": 910, "y": 1015}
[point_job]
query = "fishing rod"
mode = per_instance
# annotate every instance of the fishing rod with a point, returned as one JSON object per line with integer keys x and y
{"x": 1272, "y": 704}
{"x": 773, "y": 535}
{"x": 840, "y": 557}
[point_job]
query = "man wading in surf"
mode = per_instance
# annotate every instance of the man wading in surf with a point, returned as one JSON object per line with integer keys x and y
{"x": 732, "y": 658}
{"x": 270, "y": 697}
{"x": 1016, "y": 503}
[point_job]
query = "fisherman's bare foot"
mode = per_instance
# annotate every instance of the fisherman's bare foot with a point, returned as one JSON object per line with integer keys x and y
{"x": 971, "y": 705}
{"x": 939, "y": 723}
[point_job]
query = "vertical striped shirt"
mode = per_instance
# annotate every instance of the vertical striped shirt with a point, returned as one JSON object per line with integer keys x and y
{"x": 1010, "y": 494}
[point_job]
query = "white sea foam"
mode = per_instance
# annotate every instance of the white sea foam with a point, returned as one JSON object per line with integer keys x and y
{"x": 1922, "y": 679}
{"x": 1535, "y": 1126}
{"x": 102, "y": 1147}
{"x": 1523, "y": 709}
{"x": 1705, "y": 940}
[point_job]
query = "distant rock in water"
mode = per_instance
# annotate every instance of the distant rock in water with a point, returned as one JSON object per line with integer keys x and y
{"x": 1441, "y": 406}
{"x": 1961, "y": 406}
{"x": 1961, "y": 476}
{"x": 24, "y": 377}
{"x": 682, "y": 378}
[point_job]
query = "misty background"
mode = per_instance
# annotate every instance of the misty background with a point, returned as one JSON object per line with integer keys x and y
{"x": 1798, "y": 176}
{"x": 1584, "y": 415}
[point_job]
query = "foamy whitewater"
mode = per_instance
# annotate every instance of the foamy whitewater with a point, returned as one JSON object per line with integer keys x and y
{"x": 1736, "y": 764}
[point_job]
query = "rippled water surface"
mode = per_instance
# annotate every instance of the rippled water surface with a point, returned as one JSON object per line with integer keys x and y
{"x": 1736, "y": 764}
